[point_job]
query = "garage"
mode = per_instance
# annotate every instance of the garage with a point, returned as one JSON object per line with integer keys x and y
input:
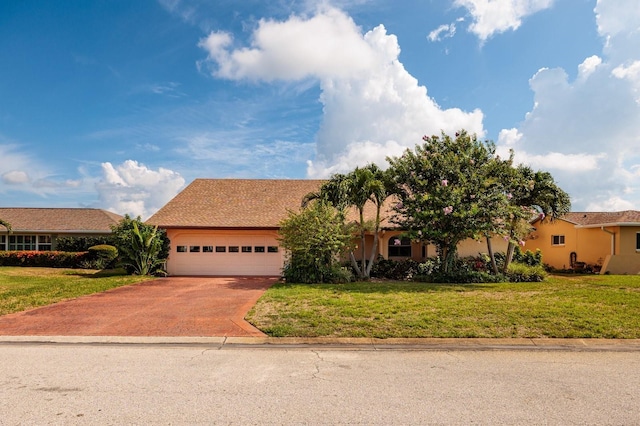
{"x": 223, "y": 253}
{"x": 229, "y": 227}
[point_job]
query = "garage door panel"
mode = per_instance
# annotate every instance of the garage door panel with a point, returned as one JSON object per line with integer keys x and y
{"x": 206, "y": 254}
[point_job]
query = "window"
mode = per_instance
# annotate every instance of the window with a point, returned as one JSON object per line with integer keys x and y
{"x": 258, "y": 249}
{"x": 557, "y": 240}
{"x": 194, "y": 249}
{"x": 3, "y": 242}
{"x": 399, "y": 247}
{"x": 221, "y": 249}
{"x": 181, "y": 249}
{"x": 234, "y": 249}
{"x": 22, "y": 242}
{"x": 207, "y": 249}
{"x": 637, "y": 241}
{"x": 44, "y": 242}
{"x": 272, "y": 249}
{"x": 246, "y": 249}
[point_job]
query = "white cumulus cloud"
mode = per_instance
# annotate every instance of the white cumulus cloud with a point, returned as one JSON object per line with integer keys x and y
{"x": 497, "y": 16}
{"x": 133, "y": 188}
{"x": 372, "y": 106}
{"x": 587, "y": 131}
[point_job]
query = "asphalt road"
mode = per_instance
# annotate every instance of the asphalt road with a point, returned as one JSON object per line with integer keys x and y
{"x": 201, "y": 384}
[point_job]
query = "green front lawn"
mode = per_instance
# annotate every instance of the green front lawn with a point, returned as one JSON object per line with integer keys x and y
{"x": 26, "y": 288}
{"x": 590, "y": 306}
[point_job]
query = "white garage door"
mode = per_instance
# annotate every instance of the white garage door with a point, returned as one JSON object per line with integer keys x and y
{"x": 214, "y": 254}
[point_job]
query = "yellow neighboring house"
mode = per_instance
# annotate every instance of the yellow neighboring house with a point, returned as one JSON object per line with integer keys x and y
{"x": 610, "y": 240}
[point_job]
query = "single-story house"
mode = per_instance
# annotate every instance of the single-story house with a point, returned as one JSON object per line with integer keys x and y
{"x": 39, "y": 228}
{"x": 230, "y": 227}
{"x": 610, "y": 240}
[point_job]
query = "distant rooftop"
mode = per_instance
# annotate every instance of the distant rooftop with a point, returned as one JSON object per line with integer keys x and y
{"x": 63, "y": 220}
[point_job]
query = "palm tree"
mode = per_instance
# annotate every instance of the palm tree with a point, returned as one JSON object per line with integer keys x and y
{"x": 355, "y": 189}
{"x": 534, "y": 192}
{"x": 6, "y": 225}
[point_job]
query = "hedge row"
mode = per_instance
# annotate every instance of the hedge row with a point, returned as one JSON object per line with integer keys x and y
{"x": 48, "y": 259}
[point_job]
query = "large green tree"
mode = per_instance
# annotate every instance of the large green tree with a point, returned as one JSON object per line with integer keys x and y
{"x": 368, "y": 184}
{"x": 315, "y": 240}
{"x": 449, "y": 189}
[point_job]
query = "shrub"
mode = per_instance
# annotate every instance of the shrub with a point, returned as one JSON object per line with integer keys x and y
{"x": 395, "y": 269}
{"x": 298, "y": 270}
{"x": 102, "y": 256}
{"x": 47, "y": 259}
{"x": 77, "y": 244}
{"x": 528, "y": 257}
{"x": 520, "y": 272}
{"x": 315, "y": 239}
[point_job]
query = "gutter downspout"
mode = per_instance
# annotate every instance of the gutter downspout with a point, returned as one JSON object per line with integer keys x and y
{"x": 613, "y": 240}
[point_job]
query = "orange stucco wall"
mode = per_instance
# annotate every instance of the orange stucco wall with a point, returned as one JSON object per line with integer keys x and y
{"x": 466, "y": 248}
{"x": 591, "y": 245}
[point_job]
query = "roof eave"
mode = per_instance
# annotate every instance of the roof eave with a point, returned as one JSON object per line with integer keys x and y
{"x": 610, "y": 224}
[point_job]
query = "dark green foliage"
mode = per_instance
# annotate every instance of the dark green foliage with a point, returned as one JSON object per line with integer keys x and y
{"x": 298, "y": 270}
{"x": 143, "y": 249}
{"x": 45, "y": 259}
{"x": 315, "y": 240}
{"x": 82, "y": 243}
{"x": 528, "y": 258}
{"x": 362, "y": 186}
{"x": 395, "y": 270}
{"x": 102, "y": 256}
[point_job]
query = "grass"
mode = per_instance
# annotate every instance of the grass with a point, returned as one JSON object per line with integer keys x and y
{"x": 571, "y": 306}
{"x": 26, "y": 288}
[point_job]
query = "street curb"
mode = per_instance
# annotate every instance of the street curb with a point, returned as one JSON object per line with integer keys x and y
{"x": 370, "y": 344}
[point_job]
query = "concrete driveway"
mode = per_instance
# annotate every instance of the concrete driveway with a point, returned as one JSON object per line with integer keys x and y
{"x": 176, "y": 306}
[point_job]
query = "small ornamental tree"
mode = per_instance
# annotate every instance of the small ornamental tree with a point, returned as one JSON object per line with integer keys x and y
{"x": 449, "y": 189}
{"x": 315, "y": 240}
{"x": 142, "y": 248}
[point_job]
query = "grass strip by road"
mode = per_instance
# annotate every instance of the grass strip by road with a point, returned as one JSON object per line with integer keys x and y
{"x": 571, "y": 306}
{"x": 27, "y": 288}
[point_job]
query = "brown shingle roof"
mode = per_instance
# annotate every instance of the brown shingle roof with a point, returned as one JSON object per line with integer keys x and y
{"x": 234, "y": 203}
{"x": 67, "y": 220}
{"x": 587, "y": 219}
{"x": 237, "y": 203}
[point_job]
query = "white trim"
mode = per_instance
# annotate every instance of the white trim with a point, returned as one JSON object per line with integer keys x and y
{"x": 607, "y": 225}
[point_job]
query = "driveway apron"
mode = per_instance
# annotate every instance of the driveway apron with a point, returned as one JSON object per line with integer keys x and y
{"x": 175, "y": 306}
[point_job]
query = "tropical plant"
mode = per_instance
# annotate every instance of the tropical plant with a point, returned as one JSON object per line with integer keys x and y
{"x": 142, "y": 248}
{"x": 531, "y": 193}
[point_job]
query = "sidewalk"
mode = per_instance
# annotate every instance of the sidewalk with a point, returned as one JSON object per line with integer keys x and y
{"x": 428, "y": 344}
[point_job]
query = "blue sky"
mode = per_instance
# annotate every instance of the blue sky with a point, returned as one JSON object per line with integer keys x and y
{"x": 119, "y": 104}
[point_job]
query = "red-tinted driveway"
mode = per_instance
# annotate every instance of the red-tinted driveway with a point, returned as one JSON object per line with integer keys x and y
{"x": 180, "y": 306}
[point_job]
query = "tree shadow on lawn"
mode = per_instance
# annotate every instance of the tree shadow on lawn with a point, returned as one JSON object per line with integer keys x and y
{"x": 391, "y": 287}
{"x": 96, "y": 274}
